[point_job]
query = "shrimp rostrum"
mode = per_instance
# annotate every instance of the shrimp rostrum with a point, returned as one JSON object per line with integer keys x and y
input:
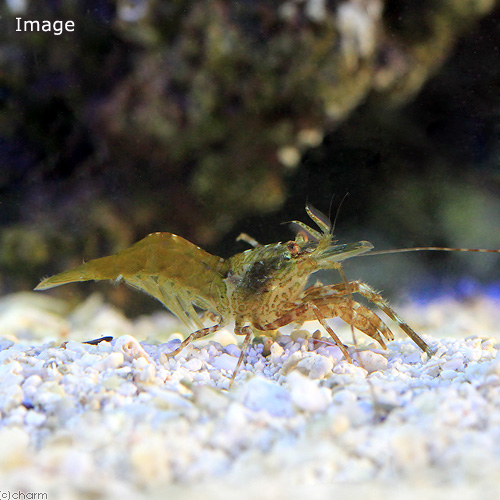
{"x": 261, "y": 289}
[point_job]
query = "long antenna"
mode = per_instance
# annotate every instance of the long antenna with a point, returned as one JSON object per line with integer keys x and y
{"x": 432, "y": 249}
{"x": 338, "y": 211}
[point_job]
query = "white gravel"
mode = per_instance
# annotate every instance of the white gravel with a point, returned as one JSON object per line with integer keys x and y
{"x": 119, "y": 420}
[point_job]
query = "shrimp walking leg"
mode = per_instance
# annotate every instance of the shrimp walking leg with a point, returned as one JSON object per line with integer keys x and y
{"x": 198, "y": 334}
{"x": 300, "y": 314}
{"x": 247, "y": 331}
{"x": 324, "y": 295}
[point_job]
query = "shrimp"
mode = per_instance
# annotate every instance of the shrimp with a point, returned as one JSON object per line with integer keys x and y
{"x": 261, "y": 289}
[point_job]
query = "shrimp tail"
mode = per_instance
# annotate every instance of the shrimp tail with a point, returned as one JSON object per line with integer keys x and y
{"x": 85, "y": 272}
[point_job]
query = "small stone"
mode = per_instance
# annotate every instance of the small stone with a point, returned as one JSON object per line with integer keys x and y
{"x": 34, "y": 418}
{"x": 261, "y": 394}
{"x": 494, "y": 365}
{"x": 291, "y": 362}
{"x": 127, "y": 389}
{"x": 77, "y": 466}
{"x": 346, "y": 368}
{"x": 110, "y": 362}
{"x": 14, "y": 447}
{"x": 306, "y": 394}
{"x": 299, "y": 334}
{"x": 283, "y": 340}
{"x": 10, "y": 397}
{"x": 448, "y": 374}
{"x": 166, "y": 399}
{"x": 232, "y": 350}
{"x": 455, "y": 364}
{"x": 112, "y": 383}
{"x": 371, "y": 361}
{"x": 276, "y": 352}
{"x": 130, "y": 348}
{"x": 193, "y": 364}
{"x": 140, "y": 363}
{"x": 316, "y": 366}
{"x": 332, "y": 351}
{"x": 150, "y": 459}
{"x": 5, "y": 344}
{"x": 224, "y": 337}
{"x": 259, "y": 366}
{"x": 146, "y": 375}
{"x": 413, "y": 357}
{"x": 105, "y": 347}
{"x": 470, "y": 354}
{"x": 211, "y": 399}
{"x": 32, "y": 381}
{"x": 339, "y": 424}
{"x": 344, "y": 396}
{"x": 225, "y": 362}
{"x": 409, "y": 448}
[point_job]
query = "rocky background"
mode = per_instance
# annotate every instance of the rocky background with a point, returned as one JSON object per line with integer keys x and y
{"x": 211, "y": 118}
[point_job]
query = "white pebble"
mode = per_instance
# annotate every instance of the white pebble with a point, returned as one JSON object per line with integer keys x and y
{"x": 5, "y": 344}
{"x": 339, "y": 423}
{"x": 77, "y": 466}
{"x": 346, "y": 368}
{"x": 494, "y": 366}
{"x": 261, "y": 394}
{"x": 408, "y": 445}
{"x": 88, "y": 359}
{"x": 13, "y": 368}
{"x": 283, "y": 340}
{"x": 292, "y": 361}
{"x": 14, "y": 448}
{"x": 316, "y": 366}
{"x": 233, "y": 350}
{"x": 211, "y": 399}
{"x": 112, "y": 361}
{"x": 344, "y": 396}
{"x": 259, "y": 366}
{"x": 225, "y": 362}
{"x": 32, "y": 381}
{"x": 105, "y": 347}
{"x": 77, "y": 347}
{"x": 276, "y": 352}
{"x": 35, "y": 418}
{"x": 413, "y": 357}
{"x": 193, "y": 364}
{"x": 127, "y": 389}
{"x": 166, "y": 399}
{"x": 150, "y": 459}
{"x": 372, "y": 361}
{"x": 432, "y": 367}
{"x": 140, "y": 363}
{"x": 474, "y": 371}
{"x": 333, "y": 352}
{"x": 448, "y": 374}
{"x": 306, "y": 394}
{"x": 455, "y": 363}
{"x": 146, "y": 375}
{"x": 10, "y": 397}
{"x": 470, "y": 354}
{"x": 130, "y": 348}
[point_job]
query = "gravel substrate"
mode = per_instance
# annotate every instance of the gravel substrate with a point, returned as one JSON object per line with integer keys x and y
{"x": 119, "y": 420}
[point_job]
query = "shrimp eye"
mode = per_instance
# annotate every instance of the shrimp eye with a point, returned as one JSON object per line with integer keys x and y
{"x": 293, "y": 248}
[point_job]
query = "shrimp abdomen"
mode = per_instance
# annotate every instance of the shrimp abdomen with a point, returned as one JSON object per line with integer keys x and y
{"x": 164, "y": 265}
